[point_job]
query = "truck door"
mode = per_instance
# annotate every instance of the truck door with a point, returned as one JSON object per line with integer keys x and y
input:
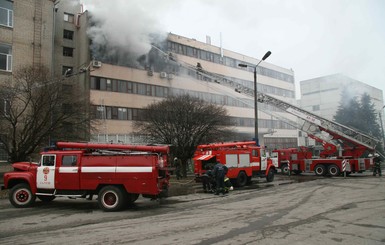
{"x": 274, "y": 158}
{"x": 259, "y": 159}
{"x": 67, "y": 176}
{"x": 263, "y": 159}
{"x": 45, "y": 177}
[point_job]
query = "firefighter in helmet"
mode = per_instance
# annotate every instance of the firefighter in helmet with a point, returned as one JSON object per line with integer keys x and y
{"x": 377, "y": 165}
{"x": 228, "y": 185}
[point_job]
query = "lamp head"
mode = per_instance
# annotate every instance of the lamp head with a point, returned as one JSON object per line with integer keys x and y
{"x": 266, "y": 55}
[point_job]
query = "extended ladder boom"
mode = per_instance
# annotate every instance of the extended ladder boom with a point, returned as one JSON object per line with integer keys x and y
{"x": 315, "y": 122}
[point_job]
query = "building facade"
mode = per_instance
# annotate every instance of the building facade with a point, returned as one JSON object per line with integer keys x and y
{"x": 323, "y": 95}
{"x": 43, "y": 33}
{"x": 195, "y": 68}
{"x": 54, "y": 34}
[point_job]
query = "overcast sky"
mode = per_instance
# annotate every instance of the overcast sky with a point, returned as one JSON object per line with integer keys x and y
{"x": 313, "y": 37}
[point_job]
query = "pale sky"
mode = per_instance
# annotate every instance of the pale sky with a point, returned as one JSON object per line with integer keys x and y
{"x": 313, "y": 37}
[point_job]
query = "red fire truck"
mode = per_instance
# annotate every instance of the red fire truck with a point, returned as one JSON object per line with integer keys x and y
{"x": 117, "y": 173}
{"x": 244, "y": 160}
{"x": 281, "y": 158}
{"x": 343, "y": 149}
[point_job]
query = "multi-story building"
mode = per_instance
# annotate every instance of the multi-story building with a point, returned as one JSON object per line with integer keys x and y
{"x": 121, "y": 92}
{"x": 42, "y": 33}
{"x": 323, "y": 95}
{"x": 71, "y": 44}
{"x": 53, "y": 34}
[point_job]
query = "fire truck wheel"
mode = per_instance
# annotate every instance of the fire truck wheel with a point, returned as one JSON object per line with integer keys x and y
{"x": 46, "y": 198}
{"x": 333, "y": 170}
{"x": 284, "y": 169}
{"x": 21, "y": 196}
{"x": 320, "y": 170}
{"x": 132, "y": 197}
{"x": 111, "y": 198}
{"x": 241, "y": 179}
{"x": 270, "y": 176}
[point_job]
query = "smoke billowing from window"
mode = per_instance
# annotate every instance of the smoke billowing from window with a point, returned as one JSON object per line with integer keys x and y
{"x": 122, "y": 31}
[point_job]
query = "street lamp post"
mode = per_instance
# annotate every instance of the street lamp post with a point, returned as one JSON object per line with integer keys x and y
{"x": 268, "y": 53}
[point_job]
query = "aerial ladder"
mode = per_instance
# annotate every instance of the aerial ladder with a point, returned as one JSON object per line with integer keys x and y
{"x": 344, "y": 147}
{"x": 353, "y": 142}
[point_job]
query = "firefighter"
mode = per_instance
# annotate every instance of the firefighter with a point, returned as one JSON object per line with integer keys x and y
{"x": 178, "y": 168}
{"x": 207, "y": 181}
{"x": 228, "y": 185}
{"x": 219, "y": 172}
{"x": 377, "y": 165}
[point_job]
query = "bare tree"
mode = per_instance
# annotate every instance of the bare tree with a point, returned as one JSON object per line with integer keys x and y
{"x": 39, "y": 109}
{"x": 184, "y": 122}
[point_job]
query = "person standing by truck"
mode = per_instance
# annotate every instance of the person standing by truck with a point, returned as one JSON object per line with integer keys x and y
{"x": 219, "y": 173}
{"x": 207, "y": 182}
{"x": 178, "y": 168}
{"x": 377, "y": 165}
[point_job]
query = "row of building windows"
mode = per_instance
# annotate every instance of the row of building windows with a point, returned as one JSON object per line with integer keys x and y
{"x": 134, "y": 114}
{"x": 320, "y": 91}
{"x": 217, "y": 58}
{"x": 118, "y": 113}
{"x": 104, "y": 84}
{"x": 6, "y": 13}
{"x": 244, "y": 83}
{"x": 121, "y": 86}
{"x": 6, "y": 58}
{"x": 263, "y": 87}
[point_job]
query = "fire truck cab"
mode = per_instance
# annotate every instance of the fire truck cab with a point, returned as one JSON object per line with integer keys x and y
{"x": 117, "y": 173}
{"x": 282, "y": 158}
{"x": 244, "y": 160}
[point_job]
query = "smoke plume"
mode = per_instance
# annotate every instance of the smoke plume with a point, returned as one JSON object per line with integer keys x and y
{"x": 122, "y": 31}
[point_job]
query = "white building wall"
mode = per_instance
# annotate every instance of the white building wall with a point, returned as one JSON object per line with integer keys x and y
{"x": 188, "y": 83}
{"x": 323, "y": 95}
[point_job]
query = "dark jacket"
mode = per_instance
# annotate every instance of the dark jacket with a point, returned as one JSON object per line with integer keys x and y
{"x": 219, "y": 170}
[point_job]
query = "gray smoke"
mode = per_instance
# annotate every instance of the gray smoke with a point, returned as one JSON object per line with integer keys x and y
{"x": 122, "y": 31}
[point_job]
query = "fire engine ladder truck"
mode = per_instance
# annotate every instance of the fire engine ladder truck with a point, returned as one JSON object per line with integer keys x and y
{"x": 355, "y": 142}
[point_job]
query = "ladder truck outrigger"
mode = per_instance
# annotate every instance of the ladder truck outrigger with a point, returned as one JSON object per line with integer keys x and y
{"x": 117, "y": 173}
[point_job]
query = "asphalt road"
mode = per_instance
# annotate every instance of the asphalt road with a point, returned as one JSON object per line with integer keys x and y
{"x": 323, "y": 211}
